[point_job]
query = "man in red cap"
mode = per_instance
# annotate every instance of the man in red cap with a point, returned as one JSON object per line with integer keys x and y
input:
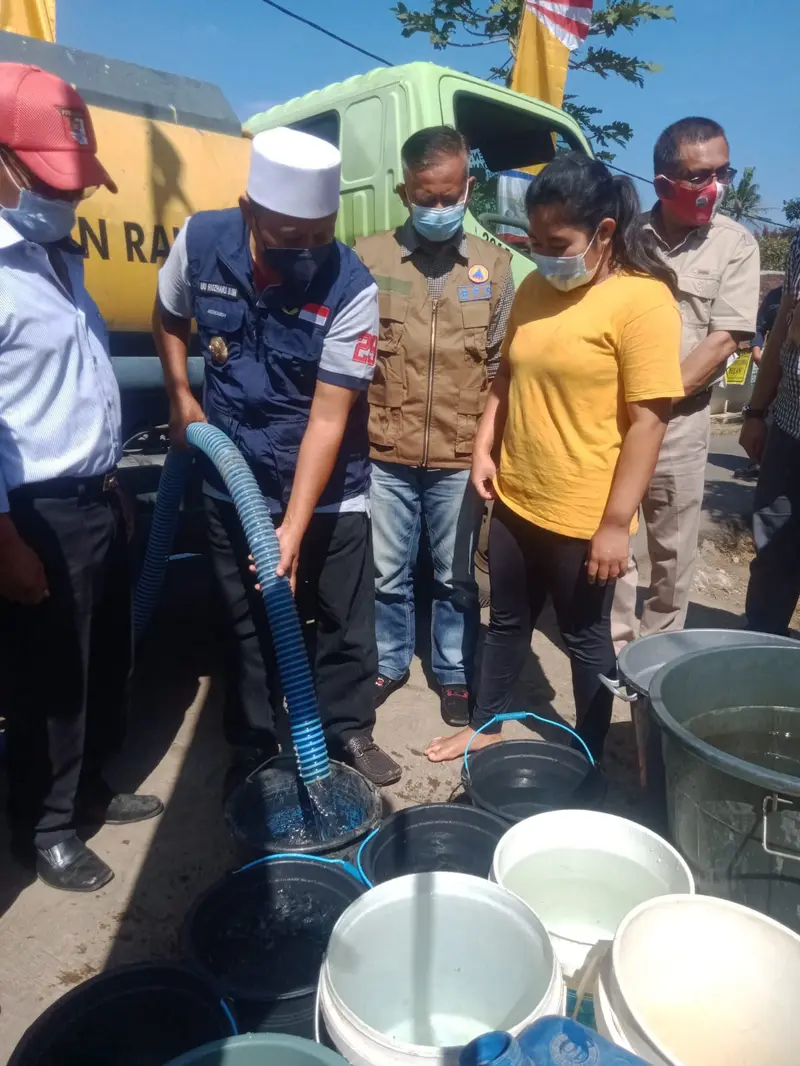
{"x": 65, "y": 635}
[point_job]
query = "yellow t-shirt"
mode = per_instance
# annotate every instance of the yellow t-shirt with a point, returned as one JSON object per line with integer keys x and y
{"x": 576, "y": 359}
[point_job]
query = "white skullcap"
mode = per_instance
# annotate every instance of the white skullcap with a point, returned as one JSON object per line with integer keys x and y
{"x": 294, "y": 173}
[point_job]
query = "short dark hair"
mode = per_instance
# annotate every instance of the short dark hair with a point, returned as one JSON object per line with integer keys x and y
{"x": 426, "y": 146}
{"x": 694, "y": 130}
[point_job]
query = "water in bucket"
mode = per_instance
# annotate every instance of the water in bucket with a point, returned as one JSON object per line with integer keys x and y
{"x": 583, "y": 894}
{"x": 420, "y": 965}
{"x": 273, "y": 811}
{"x": 438, "y": 1030}
{"x": 765, "y": 736}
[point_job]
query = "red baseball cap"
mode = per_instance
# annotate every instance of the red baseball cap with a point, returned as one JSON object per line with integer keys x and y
{"x": 47, "y": 125}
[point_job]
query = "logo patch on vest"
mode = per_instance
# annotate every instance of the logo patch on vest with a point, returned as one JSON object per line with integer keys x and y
{"x": 315, "y": 314}
{"x": 367, "y": 349}
{"x": 219, "y": 350}
{"x": 468, "y": 293}
{"x": 230, "y": 292}
{"x": 478, "y": 275}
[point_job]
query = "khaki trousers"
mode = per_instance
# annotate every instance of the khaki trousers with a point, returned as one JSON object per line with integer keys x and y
{"x": 671, "y": 511}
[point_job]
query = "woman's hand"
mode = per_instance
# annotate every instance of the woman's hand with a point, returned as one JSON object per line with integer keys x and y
{"x": 609, "y": 551}
{"x": 484, "y": 471}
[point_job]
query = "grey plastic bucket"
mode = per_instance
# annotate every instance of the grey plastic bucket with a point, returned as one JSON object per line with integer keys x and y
{"x": 737, "y": 823}
{"x": 637, "y": 665}
{"x": 261, "y": 1049}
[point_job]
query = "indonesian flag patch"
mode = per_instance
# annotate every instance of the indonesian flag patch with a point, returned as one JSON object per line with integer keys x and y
{"x": 315, "y": 314}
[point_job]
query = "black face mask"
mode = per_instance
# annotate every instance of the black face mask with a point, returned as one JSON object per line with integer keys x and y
{"x": 297, "y": 266}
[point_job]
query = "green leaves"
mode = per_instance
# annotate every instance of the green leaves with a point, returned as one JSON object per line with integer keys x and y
{"x": 628, "y": 15}
{"x": 775, "y": 250}
{"x": 743, "y": 199}
{"x": 478, "y": 23}
{"x": 791, "y": 208}
{"x": 605, "y": 62}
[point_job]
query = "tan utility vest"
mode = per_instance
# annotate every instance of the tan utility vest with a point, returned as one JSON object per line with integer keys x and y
{"x": 430, "y": 383}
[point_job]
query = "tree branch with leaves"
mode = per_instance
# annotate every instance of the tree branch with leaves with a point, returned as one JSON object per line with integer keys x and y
{"x": 471, "y": 24}
{"x": 742, "y": 200}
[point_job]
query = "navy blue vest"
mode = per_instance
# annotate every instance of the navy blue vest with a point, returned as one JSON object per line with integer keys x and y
{"x": 261, "y": 359}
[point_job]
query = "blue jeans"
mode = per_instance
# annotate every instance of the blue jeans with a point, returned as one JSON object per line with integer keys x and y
{"x": 403, "y": 497}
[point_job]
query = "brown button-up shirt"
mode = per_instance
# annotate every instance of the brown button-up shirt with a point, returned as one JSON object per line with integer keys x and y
{"x": 718, "y": 270}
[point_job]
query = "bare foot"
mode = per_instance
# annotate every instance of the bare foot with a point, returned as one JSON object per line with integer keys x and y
{"x": 444, "y": 749}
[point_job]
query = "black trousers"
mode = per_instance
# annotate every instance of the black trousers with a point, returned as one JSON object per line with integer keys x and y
{"x": 65, "y": 664}
{"x": 526, "y": 564}
{"x": 336, "y": 602}
{"x": 774, "y": 586}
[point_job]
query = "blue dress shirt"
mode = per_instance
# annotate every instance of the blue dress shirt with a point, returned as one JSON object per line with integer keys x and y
{"x": 59, "y": 399}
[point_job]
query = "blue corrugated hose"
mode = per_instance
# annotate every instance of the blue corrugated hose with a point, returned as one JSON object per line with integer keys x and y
{"x": 287, "y": 637}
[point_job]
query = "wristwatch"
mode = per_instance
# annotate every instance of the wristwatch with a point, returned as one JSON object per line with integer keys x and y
{"x": 753, "y": 412}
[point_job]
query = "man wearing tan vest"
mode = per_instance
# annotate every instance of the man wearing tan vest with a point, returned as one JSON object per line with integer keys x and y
{"x": 444, "y": 299}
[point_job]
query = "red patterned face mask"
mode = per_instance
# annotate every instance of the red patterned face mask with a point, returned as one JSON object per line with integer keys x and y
{"x": 692, "y": 206}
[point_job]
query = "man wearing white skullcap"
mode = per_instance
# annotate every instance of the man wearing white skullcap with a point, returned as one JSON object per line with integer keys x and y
{"x": 287, "y": 319}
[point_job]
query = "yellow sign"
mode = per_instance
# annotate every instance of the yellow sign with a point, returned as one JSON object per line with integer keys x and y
{"x": 736, "y": 374}
{"x": 32, "y": 18}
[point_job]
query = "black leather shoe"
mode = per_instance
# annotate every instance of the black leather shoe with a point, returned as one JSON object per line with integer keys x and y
{"x": 121, "y": 809}
{"x": 364, "y": 755}
{"x": 72, "y": 867}
{"x": 385, "y": 686}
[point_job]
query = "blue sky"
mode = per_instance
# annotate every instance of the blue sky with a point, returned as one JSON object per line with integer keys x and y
{"x": 734, "y": 60}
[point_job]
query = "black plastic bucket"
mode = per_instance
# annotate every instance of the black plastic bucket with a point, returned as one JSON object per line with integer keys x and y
{"x": 141, "y": 1015}
{"x": 439, "y": 836}
{"x": 269, "y": 813}
{"x": 520, "y": 778}
{"x": 261, "y": 933}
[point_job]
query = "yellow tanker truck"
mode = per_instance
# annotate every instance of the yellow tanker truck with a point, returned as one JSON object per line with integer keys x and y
{"x": 173, "y": 146}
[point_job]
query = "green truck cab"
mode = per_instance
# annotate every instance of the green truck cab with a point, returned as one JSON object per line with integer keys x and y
{"x": 370, "y": 116}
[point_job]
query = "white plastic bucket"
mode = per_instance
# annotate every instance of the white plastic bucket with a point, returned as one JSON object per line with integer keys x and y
{"x": 422, "y": 964}
{"x": 699, "y": 981}
{"x": 581, "y": 872}
{"x": 606, "y": 1021}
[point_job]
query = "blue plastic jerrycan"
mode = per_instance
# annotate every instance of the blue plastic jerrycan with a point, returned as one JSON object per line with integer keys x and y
{"x": 548, "y": 1042}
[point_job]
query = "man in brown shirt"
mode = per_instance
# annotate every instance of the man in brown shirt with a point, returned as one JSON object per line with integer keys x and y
{"x": 445, "y": 297}
{"x": 716, "y": 262}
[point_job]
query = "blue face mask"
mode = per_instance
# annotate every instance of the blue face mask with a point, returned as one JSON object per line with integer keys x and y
{"x": 566, "y": 272}
{"x": 438, "y": 224}
{"x": 38, "y": 219}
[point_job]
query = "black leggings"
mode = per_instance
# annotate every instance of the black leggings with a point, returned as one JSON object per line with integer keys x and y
{"x": 526, "y": 564}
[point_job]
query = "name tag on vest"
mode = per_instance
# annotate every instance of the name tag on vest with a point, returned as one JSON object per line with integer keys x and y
{"x": 468, "y": 293}
{"x": 211, "y": 288}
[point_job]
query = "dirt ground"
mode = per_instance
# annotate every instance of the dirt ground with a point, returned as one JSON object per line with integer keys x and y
{"x": 51, "y": 941}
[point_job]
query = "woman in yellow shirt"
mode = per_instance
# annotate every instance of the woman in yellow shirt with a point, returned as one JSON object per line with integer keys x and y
{"x": 578, "y": 409}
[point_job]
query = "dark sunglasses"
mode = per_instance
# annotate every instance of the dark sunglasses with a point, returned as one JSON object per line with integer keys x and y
{"x": 725, "y": 175}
